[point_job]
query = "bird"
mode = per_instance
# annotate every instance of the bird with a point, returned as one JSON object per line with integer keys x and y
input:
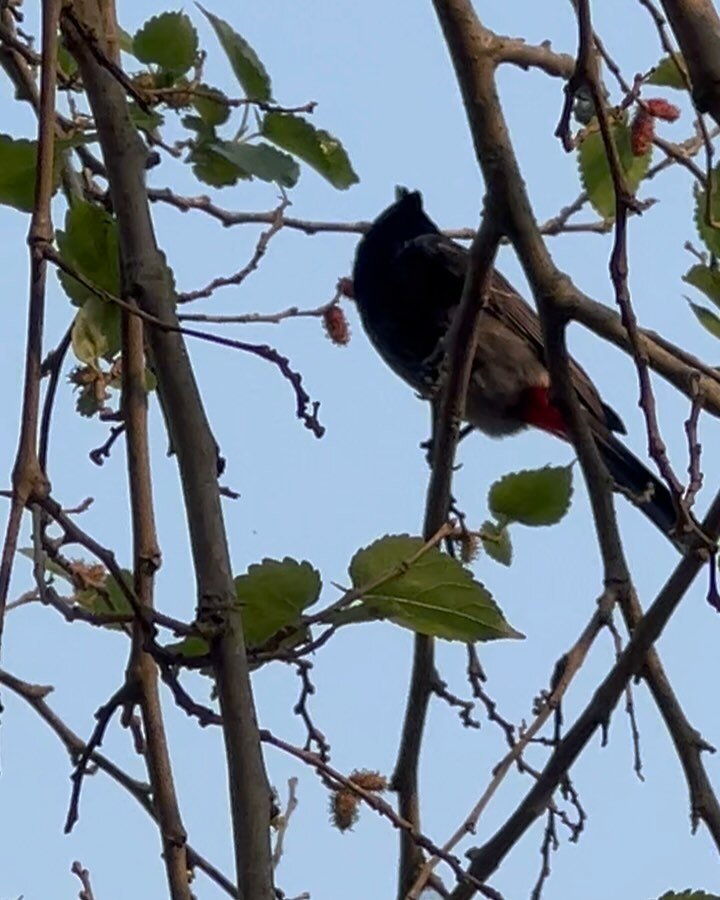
{"x": 407, "y": 282}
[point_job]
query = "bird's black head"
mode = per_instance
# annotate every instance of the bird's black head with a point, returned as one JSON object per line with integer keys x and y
{"x": 405, "y": 219}
{"x": 401, "y": 222}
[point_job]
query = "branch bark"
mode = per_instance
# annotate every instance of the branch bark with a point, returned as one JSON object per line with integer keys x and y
{"x": 143, "y": 268}
{"x": 141, "y": 668}
{"x": 28, "y": 478}
{"x": 696, "y": 26}
{"x": 447, "y": 416}
{"x": 470, "y": 46}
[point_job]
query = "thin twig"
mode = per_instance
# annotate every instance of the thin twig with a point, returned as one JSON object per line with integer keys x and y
{"x": 86, "y": 892}
{"x": 34, "y": 695}
{"x": 240, "y": 276}
{"x": 124, "y": 694}
{"x": 306, "y": 409}
{"x": 281, "y": 822}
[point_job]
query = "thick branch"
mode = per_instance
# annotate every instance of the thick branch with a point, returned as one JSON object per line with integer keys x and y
{"x": 448, "y": 413}
{"x": 143, "y": 267}
{"x": 468, "y": 42}
{"x": 696, "y": 26}
{"x": 28, "y": 478}
{"x": 146, "y": 553}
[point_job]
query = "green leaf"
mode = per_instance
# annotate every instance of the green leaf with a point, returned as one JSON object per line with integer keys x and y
{"x": 261, "y": 160}
{"x": 273, "y": 595}
{"x": 18, "y": 161}
{"x": 89, "y": 244}
{"x": 666, "y": 73}
{"x": 595, "y": 171}
{"x": 246, "y": 65}
{"x": 116, "y": 600}
{"x": 48, "y": 564}
{"x": 688, "y": 895}
{"x": 169, "y": 41}
{"x": 212, "y": 108}
{"x": 146, "y": 120}
{"x": 190, "y": 647}
{"x": 108, "y": 599}
{"x": 532, "y": 497}
{"x": 315, "y": 147}
{"x": 96, "y": 331}
{"x": 125, "y": 41}
{"x": 709, "y": 235}
{"x": 706, "y": 318}
{"x": 66, "y": 60}
{"x": 496, "y": 542}
{"x": 705, "y": 279}
{"x": 212, "y": 168}
{"x": 88, "y": 404}
{"x": 436, "y": 595}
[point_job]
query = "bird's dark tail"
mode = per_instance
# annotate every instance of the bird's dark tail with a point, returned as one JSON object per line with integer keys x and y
{"x": 639, "y": 484}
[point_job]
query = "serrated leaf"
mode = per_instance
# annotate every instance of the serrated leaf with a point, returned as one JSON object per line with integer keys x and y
{"x": 168, "y": 40}
{"x": 125, "y": 40}
{"x": 212, "y": 168}
{"x": 667, "y": 74}
{"x": 108, "y": 599}
{"x": 706, "y": 318}
{"x": 211, "y": 106}
{"x": 147, "y": 120}
{"x": 48, "y": 564}
{"x": 18, "y": 161}
{"x": 273, "y": 595}
{"x": 88, "y": 404}
{"x": 314, "y": 146}
{"x": 96, "y": 331}
{"x": 116, "y": 600}
{"x": 705, "y": 279}
{"x": 261, "y": 160}
{"x": 709, "y": 235}
{"x": 688, "y": 895}
{"x": 435, "y": 595}
{"x": 66, "y": 60}
{"x": 197, "y": 123}
{"x": 595, "y": 171}
{"x": 496, "y": 542}
{"x": 245, "y": 63}
{"x": 190, "y": 647}
{"x": 532, "y": 497}
{"x": 89, "y": 244}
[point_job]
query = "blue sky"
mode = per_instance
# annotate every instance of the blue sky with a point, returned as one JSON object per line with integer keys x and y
{"x": 384, "y": 85}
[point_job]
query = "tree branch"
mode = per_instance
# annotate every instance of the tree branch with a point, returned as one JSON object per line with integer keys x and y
{"x": 34, "y": 695}
{"x": 28, "y": 478}
{"x": 141, "y": 669}
{"x": 143, "y": 267}
{"x": 448, "y": 413}
{"x": 696, "y": 26}
{"x": 468, "y": 41}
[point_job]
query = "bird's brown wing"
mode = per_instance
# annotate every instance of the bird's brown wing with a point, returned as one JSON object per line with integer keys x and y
{"x": 507, "y": 305}
{"x": 441, "y": 264}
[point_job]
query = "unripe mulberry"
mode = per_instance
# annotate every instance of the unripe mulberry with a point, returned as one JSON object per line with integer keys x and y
{"x": 642, "y": 132}
{"x": 336, "y": 325}
{"x": 661, "y": 109}
{"x": 343, "y": 809}
{"x": 368, "y": 780}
